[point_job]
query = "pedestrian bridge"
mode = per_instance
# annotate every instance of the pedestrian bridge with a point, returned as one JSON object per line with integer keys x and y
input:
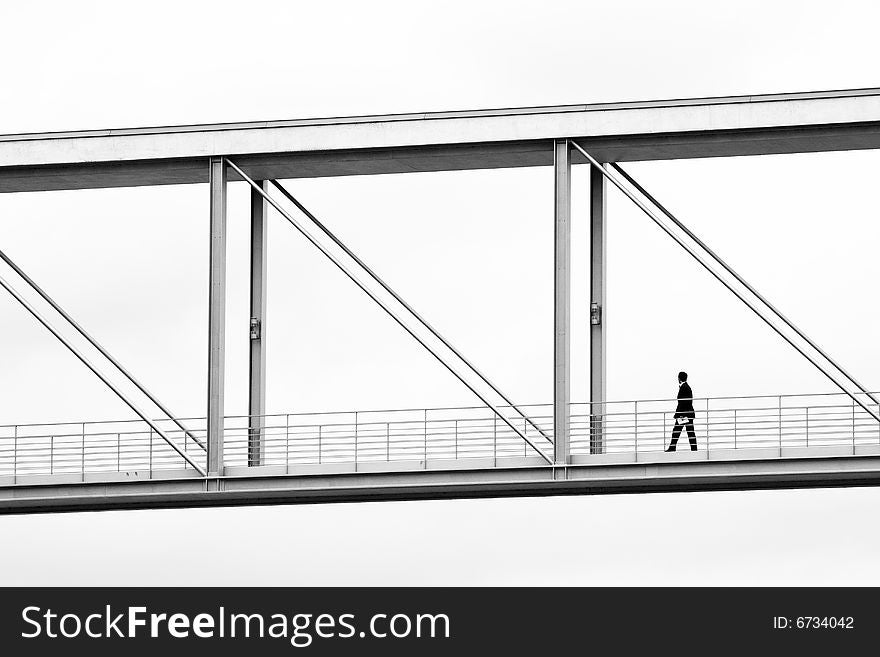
{"x": 496, "y": 448}
{"x": 743, "y": 442}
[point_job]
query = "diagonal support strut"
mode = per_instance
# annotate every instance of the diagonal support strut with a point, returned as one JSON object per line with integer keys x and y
{"x": 743, "y": 282}
{"x": 382, "y": 305}
{"x": 45, "y": 296}
{"x": 642, "y": 206}
{"x": 372, "y": 274}
{"x": 85, "y": 361}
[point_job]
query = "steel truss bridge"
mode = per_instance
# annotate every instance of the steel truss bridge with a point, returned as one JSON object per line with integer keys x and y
{"x": 499, "y": 447}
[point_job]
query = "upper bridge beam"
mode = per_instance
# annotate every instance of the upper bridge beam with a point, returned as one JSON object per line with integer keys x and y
{"x": 436, "y": 141}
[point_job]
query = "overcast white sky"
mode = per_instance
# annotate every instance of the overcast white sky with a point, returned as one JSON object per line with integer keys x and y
{"x": 472, "y": 250}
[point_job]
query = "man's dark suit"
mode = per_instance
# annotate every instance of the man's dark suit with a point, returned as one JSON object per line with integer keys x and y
{"x": 684, "y": 409}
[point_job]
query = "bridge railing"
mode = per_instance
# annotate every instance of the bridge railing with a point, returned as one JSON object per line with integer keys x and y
{"x": 70, "y": 448}
{"x": 471, "y": 435}
{"x": 728, "y": 423}
{"x": 389, "y": 435}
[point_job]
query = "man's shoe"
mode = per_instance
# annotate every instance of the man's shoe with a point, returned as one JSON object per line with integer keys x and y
{"x": 670, "y": 449}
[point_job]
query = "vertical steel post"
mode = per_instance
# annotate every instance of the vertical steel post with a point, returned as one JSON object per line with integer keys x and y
{"x": 257, "y": 370}
{"x": 495, "y": 440}
{"x": 216, "y": 315}
{"x": 561, "y": 300}
{"x": 779, "y": 401}
{"x": 808, "y": 425}
{"x": 708, "y": 424}
{"x": 663, "y": 439}
{"x": 597, "y": 307}
{"x": 636, "y": 422}
{"x": 854, "y": 427}
{"x": 734, "y": 428}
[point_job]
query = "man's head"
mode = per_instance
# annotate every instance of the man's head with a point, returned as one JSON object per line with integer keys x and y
{"x": 682, "y": 377}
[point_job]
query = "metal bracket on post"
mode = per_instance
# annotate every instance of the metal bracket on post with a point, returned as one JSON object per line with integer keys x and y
{"x": 257, "y": 348}
{"x": 598, "y": 248}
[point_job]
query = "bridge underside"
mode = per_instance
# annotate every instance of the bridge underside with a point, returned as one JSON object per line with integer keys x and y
{"x": 265, "y": 486}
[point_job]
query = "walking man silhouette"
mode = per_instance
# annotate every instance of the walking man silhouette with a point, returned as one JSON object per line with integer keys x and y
{"x": 684, "y": 414}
